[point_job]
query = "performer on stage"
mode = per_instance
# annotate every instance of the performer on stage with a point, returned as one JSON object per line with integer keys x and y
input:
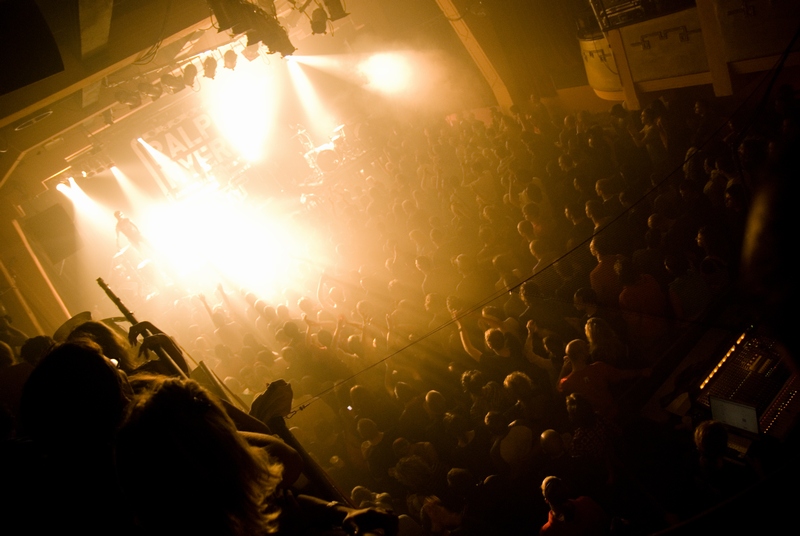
{"x": 303, "y": 136}
{"x": 129, "y": 229}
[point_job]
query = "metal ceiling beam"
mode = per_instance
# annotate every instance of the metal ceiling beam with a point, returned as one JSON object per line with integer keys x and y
{"x": 482, "y": 61}
{"x": 7, "y": 165}
{"x": 95, "y": 77}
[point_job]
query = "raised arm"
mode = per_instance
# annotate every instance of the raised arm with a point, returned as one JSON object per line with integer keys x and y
{"x": 15, "y": 336}
{"x": 153, "y": 339}
{"x": 341, "y": 322}
{"x": 309, "y": 323}
{"x": 473, "y": 352}
{"x": 322, "y": 296}
{"x": 532, "y": 356}
{"x": 207, "y": 308}
{"x": 637, "y": 137}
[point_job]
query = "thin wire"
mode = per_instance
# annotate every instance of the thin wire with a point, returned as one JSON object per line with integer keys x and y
{"x": 215, "y": 26}
{"x": 594, "y": 44}
{"x": 151, "y": 53}
{"x": 211, "y": 24}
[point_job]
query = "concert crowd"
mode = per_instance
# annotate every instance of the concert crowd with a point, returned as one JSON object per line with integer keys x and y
{"x": 501, "y": 297}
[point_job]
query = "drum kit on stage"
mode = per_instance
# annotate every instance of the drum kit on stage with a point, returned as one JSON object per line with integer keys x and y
{"x": 344, "y": 145}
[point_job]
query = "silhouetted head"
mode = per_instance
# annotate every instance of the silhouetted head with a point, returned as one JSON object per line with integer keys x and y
{"x": 225, "y": 486}
{"x": 555, "y": 492}
{"x": 74, "y": 398}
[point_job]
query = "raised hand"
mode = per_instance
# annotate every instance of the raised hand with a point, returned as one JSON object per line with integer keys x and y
{"x": 143, "y": 328}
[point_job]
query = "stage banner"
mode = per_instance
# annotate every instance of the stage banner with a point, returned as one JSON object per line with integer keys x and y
{"x": 183, "y": 151}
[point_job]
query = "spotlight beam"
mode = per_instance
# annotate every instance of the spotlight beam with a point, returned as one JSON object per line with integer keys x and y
{"x": 320, "y": 120}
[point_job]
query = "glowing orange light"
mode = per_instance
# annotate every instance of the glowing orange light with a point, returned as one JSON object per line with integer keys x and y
{"x": 387, "y": 73}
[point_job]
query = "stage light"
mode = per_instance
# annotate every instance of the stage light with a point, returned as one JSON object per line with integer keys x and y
{"x": 335, "y": 9}
{"x": 131, "y": 98}
{"x": 388, "y": 73}
{"x": 320, "y": 121}
{"x": 201, "y": 249}
{"x": 154, "y": 91}
{"x": 319, "y": 21}
{"x": 230, "y": 59}
{"x": 242, "y": 17}
{"x": 173, "y": 171}
{"x": 240, "y": 108}
{"x": 189, "y": 74}
{"x": 172, "y": 82}
{"x": 270, "y": 32}
{"x": 210, "y": 67}
{"x": 89, "y": 215}
{"x": 63, "y": 187}
{"x": 135, "y": 195}
{"x": 338, "y": 65}
{"x": 250, "y": 52}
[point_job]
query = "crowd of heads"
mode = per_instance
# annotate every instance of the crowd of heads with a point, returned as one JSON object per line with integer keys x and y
{"x": 495, "y": 286}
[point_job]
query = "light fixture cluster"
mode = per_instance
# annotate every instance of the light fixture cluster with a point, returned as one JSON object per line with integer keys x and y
{"x": 180, "y": 77}
{"x": 241, "y": 17}
{"x": 174, "y": 81}
{"x": 333, "y": 10}
{"x": 84, "y": 164}
{"x": 91, "y": 163}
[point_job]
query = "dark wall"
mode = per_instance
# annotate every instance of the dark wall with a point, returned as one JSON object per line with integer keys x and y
{"x": 532, "y": 43}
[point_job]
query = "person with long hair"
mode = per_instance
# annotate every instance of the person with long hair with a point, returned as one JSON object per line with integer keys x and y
{"x": 604, "y": 345}
{"x": 184, "y": 469}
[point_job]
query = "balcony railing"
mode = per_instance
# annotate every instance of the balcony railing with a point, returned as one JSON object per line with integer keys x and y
{"x": 612, "y": 14}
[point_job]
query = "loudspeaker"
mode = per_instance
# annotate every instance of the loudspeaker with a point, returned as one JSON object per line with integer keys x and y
{"x": 28, "y": 51}
{"x": 54, "y": 231}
